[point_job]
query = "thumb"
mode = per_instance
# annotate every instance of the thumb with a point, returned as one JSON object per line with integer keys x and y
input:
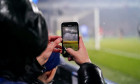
{"x": 71, "y": 51}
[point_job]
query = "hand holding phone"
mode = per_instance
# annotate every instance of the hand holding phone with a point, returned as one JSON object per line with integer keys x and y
{"x": 70, "y": 37}
{"x": 80, "y": 56}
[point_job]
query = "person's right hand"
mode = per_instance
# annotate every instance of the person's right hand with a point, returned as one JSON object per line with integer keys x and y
{"x": 80, "y": 56}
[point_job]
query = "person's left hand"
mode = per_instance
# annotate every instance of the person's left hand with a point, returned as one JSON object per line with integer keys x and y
{"x": 53, "y": 46}
{"x": 47, "y": 76}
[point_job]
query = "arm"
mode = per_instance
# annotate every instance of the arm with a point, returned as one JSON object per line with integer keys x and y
{"x": 32, "y": 71}
{"x": 35, "y": 68}
{"x": 88, "y": 73}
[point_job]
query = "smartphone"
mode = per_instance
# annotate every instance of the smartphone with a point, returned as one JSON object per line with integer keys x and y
{"x": 70, "y": 37}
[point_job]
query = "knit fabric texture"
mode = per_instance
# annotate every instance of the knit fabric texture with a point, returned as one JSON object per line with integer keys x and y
{"x": 53, "y": 61}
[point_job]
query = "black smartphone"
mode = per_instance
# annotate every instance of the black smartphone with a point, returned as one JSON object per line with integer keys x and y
{"x": 70, "y": 37}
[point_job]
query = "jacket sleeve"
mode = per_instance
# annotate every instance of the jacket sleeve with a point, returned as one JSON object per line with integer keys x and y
{"x": 90, "y": 74}
{"x": 32, "y": 71}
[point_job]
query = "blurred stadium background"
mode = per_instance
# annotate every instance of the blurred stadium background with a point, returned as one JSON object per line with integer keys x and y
{"x": 114, "y": 45}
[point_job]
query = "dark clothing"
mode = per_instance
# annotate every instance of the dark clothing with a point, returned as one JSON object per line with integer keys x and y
{"x": 90, "y": 74}
{"x": 139, "y": 30}
{"x": 5, "y": 81}
{"x": 24, "y": 37}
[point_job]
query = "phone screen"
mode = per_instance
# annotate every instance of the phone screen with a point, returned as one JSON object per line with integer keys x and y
{"x": 70, "y": 35}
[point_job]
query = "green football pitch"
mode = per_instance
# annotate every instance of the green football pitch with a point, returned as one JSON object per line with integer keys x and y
{"x": 119, "y": 59}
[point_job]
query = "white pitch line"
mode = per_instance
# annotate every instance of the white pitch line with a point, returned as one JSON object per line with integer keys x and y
{"x": 122, "y": 53}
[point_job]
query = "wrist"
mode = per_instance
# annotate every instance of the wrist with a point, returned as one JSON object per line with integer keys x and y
{"x": 86, "y": 61}
{"x": 41, "y": 60}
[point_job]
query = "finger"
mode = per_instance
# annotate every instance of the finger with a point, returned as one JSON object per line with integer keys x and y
{"x": 58, "y": 46}
{"x": 71, "y": 51}
{"x": 52, "y": 45}
{"x": 81, "y": 43}
{"x": 61, "y": 51}
{"x": 57, "y": 50}
{"x": 52, "y": 38}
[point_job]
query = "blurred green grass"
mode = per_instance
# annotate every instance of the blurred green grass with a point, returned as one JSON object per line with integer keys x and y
{"x": 116, "y": 60}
